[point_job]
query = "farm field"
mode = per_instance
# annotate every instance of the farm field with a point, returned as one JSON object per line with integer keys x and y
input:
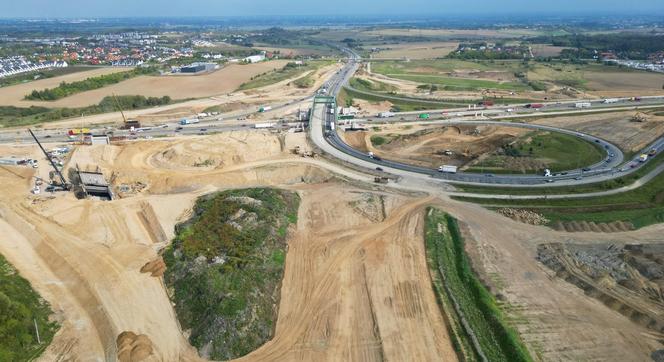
{"x": 415, "y": 50}
{"x": 450, "y": 33}
{"x": 220, "y": 82}
{"x": 13, "y": 95}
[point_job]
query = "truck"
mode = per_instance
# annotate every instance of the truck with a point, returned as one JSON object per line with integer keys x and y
{"x": 385, "y": 114}
{"x": 264, "y": 109}
{"x": 447, "y": 169}
{"x": 424, "y": 116}
{"x": 547, "y": 173}
{"x": 332, "y": 126}
{"x": 652, "y": 152}
{"x": 485, "y": 103}
{"x": 263, "y": 125}
{"x": 535, "y": 105}
{"x": 583, "y": 105}
{"x": 643, "y": 158}
{"x": 186, "y": 121}
{"x": 79, "y": 131}
{"x": 611, "y": 100}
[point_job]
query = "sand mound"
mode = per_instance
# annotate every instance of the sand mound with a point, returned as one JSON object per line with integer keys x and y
{"x": 156, "y": 267}
{"x": 132, "y": 347}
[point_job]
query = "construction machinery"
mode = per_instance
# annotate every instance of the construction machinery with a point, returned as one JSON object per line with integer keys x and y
{"x": 63, "y": 182}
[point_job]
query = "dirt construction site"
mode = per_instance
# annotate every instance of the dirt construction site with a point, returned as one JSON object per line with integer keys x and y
{"x": 356, "y": 284}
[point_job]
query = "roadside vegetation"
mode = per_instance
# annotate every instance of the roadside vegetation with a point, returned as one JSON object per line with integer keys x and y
{"x": 403, "y": 104}
{"x": 478, "y": 326}
{"x": 536, "y": 151}
{"x": 11, "y": 116}
{"x": 66, "y": 89}
{"x": 371, "y": 85}
{"x": 289, "y": 71}
{"x": 20, "y": 309}
{"x": 225, "y": 267}
{"x": 641, "y": 207}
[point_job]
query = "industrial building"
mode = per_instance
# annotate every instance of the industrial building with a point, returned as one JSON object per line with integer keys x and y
{"x": 199, "y": 68}
{"x": 255, "y": 58}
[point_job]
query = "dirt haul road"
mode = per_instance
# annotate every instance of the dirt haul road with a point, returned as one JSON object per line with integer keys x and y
{"x": 356, "y": 284}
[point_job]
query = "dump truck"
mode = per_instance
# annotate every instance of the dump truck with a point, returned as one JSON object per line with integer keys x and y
{"x": 447, "y": 169}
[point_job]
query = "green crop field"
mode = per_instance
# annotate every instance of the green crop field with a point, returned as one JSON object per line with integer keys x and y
{"x": 289, "y": 71}
{"x": 552, "y": 150}
{"x": 463, "y": 298}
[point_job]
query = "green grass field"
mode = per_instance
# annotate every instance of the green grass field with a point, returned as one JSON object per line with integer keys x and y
{"x": 463, "y": 297}
{"x": 555, "y": 151}
{"x": 20, "y": 307}
{"x": 41, "y": 74}
{"x": 400, "y": 105}
{"x": 371, "y": 85}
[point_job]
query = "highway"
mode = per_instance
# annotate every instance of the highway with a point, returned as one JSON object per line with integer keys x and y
{"x": 323, "y": 128}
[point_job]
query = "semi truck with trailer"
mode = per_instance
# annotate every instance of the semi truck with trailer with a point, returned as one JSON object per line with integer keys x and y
{"x": 611, "y": 100}
{"x": 385, "y": 114}
{"x": 186, "y": 121}
{"x": 447, "y": 169}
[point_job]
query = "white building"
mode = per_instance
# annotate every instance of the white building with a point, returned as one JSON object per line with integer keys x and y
{"x": 255, "y": 58}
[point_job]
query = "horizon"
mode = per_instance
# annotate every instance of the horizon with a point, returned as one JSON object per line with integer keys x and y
{"x": 265, "y": 8}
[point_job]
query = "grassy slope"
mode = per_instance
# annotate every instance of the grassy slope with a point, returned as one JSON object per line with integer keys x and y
{"x": 450, "y": 267}
{"x": 558, "y": 151}
{"x": 225, "y": 280}
{"x": 642, "y": 207}
{"x": 20, "y": 306}
{"x": 287, "y": 72}
{"x": 565, "y": 190}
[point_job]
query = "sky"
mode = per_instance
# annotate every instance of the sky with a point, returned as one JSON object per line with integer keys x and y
{"x": 141, "y": 8}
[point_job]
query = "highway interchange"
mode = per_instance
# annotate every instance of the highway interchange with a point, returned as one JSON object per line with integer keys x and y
{"x": 325, "y": 136}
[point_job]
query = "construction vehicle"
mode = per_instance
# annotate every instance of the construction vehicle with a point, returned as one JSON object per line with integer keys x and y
{"x": 127, "y": 123}
{"x": 64, "y": 185}
{"x": 643, "y": 158}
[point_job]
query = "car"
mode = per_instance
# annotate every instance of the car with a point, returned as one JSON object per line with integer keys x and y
{"x": 179, "y": 128}
{"x": 578, "y": 178}
{"x": 203, "y": 129}
{"x": 550, "y": 180}
{"x": 47, "y": 136}
{"x": 489, "y": 175}
{"x": 612, "y": 155}
{"x": 564, "y": 173}
{"x": 379, "y": 169}
{"x": 586, "y": 169}
{"x": 597, "y": 141}
{"x": 607, "y": 161}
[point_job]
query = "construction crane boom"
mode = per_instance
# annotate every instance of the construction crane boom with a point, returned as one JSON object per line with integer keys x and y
{"x": 62, "y": 178}
{"x": 117, "y": 104}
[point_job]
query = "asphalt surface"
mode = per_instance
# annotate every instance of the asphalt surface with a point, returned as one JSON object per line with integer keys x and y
{"x": 323, "y": 128}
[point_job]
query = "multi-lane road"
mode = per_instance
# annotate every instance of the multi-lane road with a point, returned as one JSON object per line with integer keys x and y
{"x": 323, "y": 128}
